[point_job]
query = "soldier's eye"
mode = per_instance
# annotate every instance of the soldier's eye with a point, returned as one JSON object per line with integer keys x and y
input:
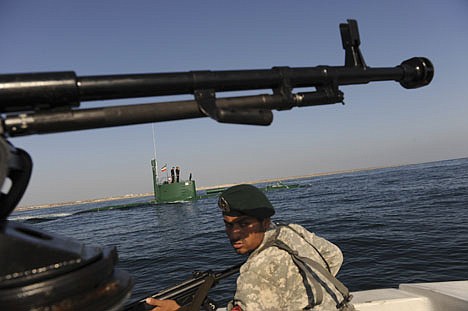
{"x": 244, "y": 224}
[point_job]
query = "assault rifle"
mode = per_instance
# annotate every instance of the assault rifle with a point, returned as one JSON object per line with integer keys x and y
{"x": 65, "y": 274}
{"x": 191, "y": 294}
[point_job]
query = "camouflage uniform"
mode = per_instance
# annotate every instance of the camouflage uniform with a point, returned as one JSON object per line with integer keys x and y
{"x": 270, "y": 280}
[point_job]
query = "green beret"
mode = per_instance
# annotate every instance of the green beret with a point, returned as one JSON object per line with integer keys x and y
{"x": 245, "y": 200}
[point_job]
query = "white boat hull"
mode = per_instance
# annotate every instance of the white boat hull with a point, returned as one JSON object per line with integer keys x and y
{"x": 437, "y": 296}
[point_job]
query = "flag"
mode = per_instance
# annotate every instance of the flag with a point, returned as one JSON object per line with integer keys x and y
{"x": 164, "y": 168}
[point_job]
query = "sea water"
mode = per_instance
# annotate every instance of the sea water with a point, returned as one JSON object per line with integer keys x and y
{"x": 394, "y": 225}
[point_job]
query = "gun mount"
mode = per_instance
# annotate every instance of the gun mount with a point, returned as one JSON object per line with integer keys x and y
{"x": 62, "y": 274}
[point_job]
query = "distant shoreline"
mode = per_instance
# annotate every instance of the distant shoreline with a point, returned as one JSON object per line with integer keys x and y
{"x": 139, "y": 195}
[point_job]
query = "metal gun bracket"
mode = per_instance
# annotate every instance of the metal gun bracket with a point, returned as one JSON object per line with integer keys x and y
{"x": 206, "y": 100}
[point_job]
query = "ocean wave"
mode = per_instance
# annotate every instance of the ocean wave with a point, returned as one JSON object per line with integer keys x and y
{"x": 39, "y": 218}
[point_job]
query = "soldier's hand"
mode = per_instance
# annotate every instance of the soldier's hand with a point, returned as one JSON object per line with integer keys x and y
{"x": 163, "y": 305}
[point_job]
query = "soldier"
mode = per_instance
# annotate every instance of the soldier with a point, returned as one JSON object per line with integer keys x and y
{"x": 172, "y": 175}
{"x": 288, "y": 268}
{"x": 177, "y": 170}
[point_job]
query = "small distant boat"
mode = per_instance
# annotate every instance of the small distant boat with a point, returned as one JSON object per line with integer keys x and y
{"x": 215, "y": 190}
{"x": 269, "y": 187}
{"x": 280, "y": 185}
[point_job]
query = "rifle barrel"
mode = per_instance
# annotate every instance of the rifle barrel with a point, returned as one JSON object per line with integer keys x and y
{"x": 184, "y": 289}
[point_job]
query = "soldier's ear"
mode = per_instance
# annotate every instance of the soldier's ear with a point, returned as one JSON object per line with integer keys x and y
{"x": 266, "y": 223}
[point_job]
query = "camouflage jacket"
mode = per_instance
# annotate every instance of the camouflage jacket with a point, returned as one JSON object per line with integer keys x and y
{"x": 270, "y": 280}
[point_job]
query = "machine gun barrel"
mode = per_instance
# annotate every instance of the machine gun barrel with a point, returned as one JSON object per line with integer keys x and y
{"x": 25, "y": 92}
{"x": 46, "y": 92}
{"x": 44, "y": 102}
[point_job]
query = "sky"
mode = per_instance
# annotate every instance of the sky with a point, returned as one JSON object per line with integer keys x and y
{"x": 381, "y": 124}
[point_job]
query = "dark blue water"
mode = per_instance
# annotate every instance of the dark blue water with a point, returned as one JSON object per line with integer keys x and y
{"x": 394, "y": 225}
